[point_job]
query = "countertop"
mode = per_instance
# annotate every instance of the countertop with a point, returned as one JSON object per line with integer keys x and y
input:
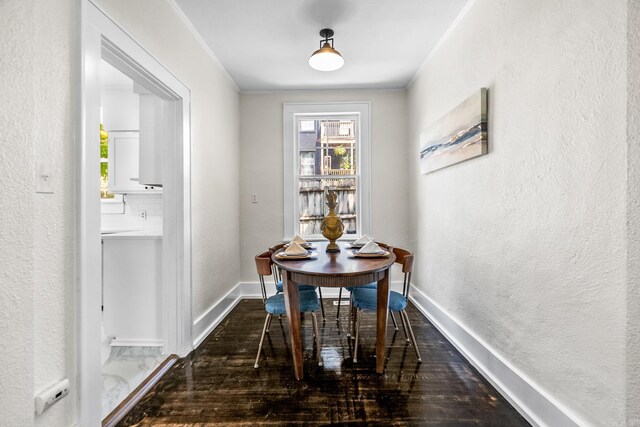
{"x": 152, "y": 233}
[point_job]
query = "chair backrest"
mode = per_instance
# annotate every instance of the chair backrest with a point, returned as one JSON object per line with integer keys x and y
{"x": 385, "y": 246}
{"x": 276, "y": 272}
{"x": 274, "y": 248}
{"x": 405, "y": 258}
{"x": 264, "y": 267}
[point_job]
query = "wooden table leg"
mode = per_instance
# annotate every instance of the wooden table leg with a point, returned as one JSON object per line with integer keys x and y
{"x": 292, "y": 303}
{"x": 381, "y": 324}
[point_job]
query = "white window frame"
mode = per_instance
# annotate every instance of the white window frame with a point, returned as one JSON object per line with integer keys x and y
{"x": 293, "y": 111}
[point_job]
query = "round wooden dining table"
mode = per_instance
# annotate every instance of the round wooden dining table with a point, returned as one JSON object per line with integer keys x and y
{"x": 334, "y": 269}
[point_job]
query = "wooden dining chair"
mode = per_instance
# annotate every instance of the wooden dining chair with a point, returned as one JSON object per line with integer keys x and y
{"x": 278, "y": 279}
{"x": 367, "y": 299}
{"x": 275, "y": 304}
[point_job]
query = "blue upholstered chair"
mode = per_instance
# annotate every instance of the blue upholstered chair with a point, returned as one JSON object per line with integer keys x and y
{"x": 363, "y": 298}
{"x": 278, "y": 280}
{"x": 275, "y": 305}
{"x": 369, "y": 286}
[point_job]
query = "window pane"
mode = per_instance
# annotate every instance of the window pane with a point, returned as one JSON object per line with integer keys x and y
{"x": 326, "y": 160}
{"x": 313, "y": 208}
{"x": 338, "y": 147}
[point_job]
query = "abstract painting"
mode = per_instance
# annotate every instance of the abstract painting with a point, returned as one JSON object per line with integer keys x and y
{"x": 459, "y": 135}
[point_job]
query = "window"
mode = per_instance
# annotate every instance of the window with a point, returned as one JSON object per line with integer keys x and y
{"x": 326, "y": 149}
{"x": 104, "y": 164}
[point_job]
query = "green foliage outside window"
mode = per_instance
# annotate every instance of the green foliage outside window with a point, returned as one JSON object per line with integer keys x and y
{"x": 104, "y": 164}
{"x": 345, "y": 161}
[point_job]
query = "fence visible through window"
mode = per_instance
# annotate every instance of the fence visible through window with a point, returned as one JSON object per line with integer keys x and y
{"x": 327, "y": 161}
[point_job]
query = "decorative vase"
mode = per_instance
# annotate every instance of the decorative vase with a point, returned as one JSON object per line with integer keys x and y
{"x": 332, "y": 227}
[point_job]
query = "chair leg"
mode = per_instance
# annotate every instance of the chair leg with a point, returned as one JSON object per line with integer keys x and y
{"x": 404, "y": 328}
{"x": 317, "y": 334}
{"x": 355, "y": 345}
{"x": 269, "y": 323}
{"x": 395, "y": 324}
{"x": 264, "y": 331}
{"x": 413, "y": 337}
{"x": 349, "y": 321}
{"x": 339, "y": 299}
{"x": 321, "y": 301}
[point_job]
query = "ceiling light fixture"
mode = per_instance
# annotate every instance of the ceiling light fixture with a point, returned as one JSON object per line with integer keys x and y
{"x": 326, "y": 58}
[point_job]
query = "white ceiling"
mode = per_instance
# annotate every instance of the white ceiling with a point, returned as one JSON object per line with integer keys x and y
{"x": 265, "y": 44}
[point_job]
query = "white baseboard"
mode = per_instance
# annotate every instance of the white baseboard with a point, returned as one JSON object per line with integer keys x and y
{"x": 135, "y": 343}
{"x": 204, "y": 324}
{"x": 252, "y": 290}
{"x": 537, "y": 406}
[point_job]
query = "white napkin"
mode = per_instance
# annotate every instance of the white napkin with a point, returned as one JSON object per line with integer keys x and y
{"x": 364, "y": 239}
{"x": 299, "y": 240}
{"x": 371, "y": 248}
{"x": 295, "y": 249}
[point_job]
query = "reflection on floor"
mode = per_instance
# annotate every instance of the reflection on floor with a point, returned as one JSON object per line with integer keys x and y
{"x": 124, "y": 370}
{"x": 217, "y": 384}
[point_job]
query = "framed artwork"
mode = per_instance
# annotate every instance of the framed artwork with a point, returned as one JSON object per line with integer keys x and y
{"x": 459, "y": 135}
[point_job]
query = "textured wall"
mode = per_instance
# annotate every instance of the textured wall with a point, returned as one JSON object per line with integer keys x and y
{"x": 633, "y": 214}
{"x": 53, "y": 216}
{"x": 37, "y": 119}
{"x": 261, "y": 141}
{"x": 527, "y": 246}
{"x": 36, "y": 230}
{"x": 16, "y": 211}
{"x": 214, "y": 142}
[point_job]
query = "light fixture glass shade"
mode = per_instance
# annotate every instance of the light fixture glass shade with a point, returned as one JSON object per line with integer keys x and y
{"x": 326, "y": 59}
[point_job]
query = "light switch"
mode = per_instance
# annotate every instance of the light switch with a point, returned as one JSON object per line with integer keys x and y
{"x": 254, "y": 198}
{"x": 44, "y": 177}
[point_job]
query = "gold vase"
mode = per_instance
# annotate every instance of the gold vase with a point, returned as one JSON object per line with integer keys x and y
{"x": 332, "y": 227}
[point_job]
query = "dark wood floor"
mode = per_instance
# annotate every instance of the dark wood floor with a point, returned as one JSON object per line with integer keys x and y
{"x": 217, "y": 384}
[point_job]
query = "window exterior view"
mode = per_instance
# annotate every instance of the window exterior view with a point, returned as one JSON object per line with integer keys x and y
{"x": 327, "y": 161}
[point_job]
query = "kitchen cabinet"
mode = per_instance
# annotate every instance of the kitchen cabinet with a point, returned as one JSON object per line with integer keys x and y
{"x": 132, "y": 289}
{"x": 156, "y": 126}
{"x": 124, "y": 153}
{"x": 120, "y": 109}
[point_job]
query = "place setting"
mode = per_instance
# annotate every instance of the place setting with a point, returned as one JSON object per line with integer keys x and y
{"x": 365, "y": 247}
{"x": 359, "y": 243}
{"x": 297, "y": 249}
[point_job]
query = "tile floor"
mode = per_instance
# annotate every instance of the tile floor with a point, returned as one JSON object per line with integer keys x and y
{"x": 124, "y": 370}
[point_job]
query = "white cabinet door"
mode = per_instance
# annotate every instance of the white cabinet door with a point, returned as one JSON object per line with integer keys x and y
{"x": 123, "y": 162}
{"x": 132, "y": 284}
{"x": 124, "y": 159}
{"x": 154, "y": 130}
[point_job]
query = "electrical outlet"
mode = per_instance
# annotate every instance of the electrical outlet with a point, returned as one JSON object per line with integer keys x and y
{"x": 142, "y": 214}
{"x": 47, "y": 398}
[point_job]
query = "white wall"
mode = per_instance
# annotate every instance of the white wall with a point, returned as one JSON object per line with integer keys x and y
{"x": 214, "y": 150}
{"x": 633, "y": 215}
{"x": 36, "y": 230}
{"x": 261, "y": 141}
{"x": 526, "y": 246}
{"x": 16, "y": 212}
{"x": 37, "y": 119}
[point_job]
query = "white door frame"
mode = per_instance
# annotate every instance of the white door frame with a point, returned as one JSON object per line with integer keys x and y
{"x": 102, "y": 38}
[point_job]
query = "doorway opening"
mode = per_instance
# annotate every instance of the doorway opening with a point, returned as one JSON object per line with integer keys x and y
{"x": 133, "y": 215}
